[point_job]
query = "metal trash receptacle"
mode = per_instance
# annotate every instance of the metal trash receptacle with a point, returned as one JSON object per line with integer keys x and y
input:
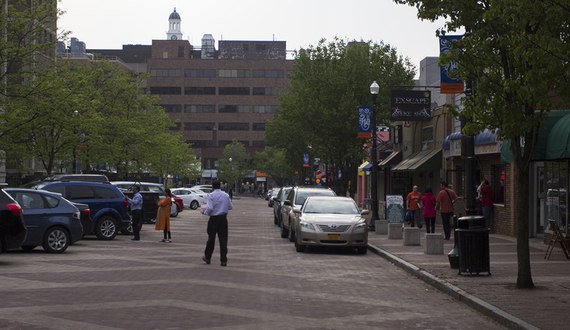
{"x": 473, "y": 246}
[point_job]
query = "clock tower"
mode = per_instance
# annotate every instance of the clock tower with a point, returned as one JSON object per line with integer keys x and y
{"x": 174, "y": 32}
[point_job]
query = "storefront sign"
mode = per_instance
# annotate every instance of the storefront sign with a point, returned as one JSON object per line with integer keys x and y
{"x": 411, "y": 106}
{"x": 489, "y": 148}
{"x": 395, "y": 208}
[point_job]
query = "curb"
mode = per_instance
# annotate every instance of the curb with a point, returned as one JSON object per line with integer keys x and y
{"x": 471, "y": 301}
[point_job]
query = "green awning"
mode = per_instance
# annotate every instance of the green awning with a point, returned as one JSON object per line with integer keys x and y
{"x": 558, "y": 146}
{"x": 423, "y": 161}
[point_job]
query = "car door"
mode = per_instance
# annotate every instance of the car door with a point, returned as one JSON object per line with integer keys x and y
{"x": 36, "y": 215}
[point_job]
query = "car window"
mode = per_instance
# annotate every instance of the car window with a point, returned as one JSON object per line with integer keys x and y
{"x": 124, "y": 186}
{"x": 80, "y": 192}
{"x": 52, "y": 201}
{"x": 302, "y": 195}
{"x": 154, "y": 188}
{"x": 34, "y": 201}
{"x": 58, "y": 189}
{"x": 333, "y": 206}
{"x": 105, "y": 193}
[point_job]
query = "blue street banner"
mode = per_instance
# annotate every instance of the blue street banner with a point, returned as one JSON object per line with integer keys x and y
{"x": 306, "y": 160}
{"x": 449, "y": 85}
{"x": 364, "y": 122}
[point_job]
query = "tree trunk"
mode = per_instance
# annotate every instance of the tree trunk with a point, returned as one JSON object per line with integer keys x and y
{"x": 524, "y": 279}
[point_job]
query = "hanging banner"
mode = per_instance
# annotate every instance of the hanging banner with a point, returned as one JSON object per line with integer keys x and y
{"x": 449, "y": 85}
{"x": 306, "y": 160}
{"x": 411, "y": 106}
{"x": 364, "y": 122}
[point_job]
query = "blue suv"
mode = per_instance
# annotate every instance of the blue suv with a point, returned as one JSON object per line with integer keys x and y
{"x": 106, "y": 202}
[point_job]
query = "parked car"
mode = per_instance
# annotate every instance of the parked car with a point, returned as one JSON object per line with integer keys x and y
{"x": 86, "y": 220}
{"x": 296, "y": 198}
{"x": 12, "y": 227}
{"x": 68, "y": 177}
{"x": 107, "y": 205}
{"x": 192, "y": 198}
{"x": 270, "y": 194}
{"x": 52, "y": 221}
{"x": 152, "y": 187}
{"x": 278, "y": 203}
{"x": 204, "y": 187}
{"x": 330, "y": 221}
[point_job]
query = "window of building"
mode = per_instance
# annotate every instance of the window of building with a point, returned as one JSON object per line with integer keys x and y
{"x": 233, "y": 90}
{"x": 200, "y": 143}
{"x": 233, "y": 126}
{"x": 166, "y": 90}
{"x": 200, "y": 108}
{"x": 265, "y": 91}
{"x": 233, "y": 73}
{"x": 264, "y": 108}
{"x": 165, "y": 73}
{"x": 267, "y": 73}
{"x": 557, "y": 194}
{"x": 172, "y": 108}
{"x": 498, "y": 183}
{"x": 245, "y": 47}
{"x": 226, "y": 108}
{"x": 176, "y": 127}
{"x": 180, "y": 50}
{"x": 456, "y": 180}
{"x": 209, "y": 163}
{"x": 200, "y": 90}
{"x": 199, "y": 126}
{"x": 258, "y": 143}
{"x": 260, "y": 47}
{"x": 258, "y": 126}
{"x": 200, "y": 73}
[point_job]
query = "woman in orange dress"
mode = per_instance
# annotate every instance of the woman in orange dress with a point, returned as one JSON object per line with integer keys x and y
{"x": 163, "y": 215}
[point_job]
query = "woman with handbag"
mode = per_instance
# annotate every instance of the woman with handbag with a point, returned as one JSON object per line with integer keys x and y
{"x": 428, "y": 201}
{"x": 445, "y": 200}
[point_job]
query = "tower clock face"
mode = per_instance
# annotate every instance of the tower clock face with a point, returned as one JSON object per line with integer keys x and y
{"x": 173, "y": 38}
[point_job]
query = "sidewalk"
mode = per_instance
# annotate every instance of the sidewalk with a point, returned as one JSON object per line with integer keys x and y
{"x": 545, "y": 307}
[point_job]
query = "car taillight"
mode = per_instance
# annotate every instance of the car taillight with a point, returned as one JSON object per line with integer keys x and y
{"x": 77, "y": 215}
{"x": 126, "y": 203}
{"x": 86, "y": 211}
{"x": 15, "y": 209}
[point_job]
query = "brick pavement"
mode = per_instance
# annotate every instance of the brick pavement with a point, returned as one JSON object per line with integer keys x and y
{"x": 546, "y": 307}
{"x": 121, "y": 284}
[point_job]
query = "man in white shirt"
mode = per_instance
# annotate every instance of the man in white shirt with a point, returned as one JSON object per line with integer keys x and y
{"x": 219, "y": 204}
{"x": 136, "y": 204}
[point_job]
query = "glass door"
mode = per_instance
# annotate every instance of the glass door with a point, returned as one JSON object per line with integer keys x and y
{"x": 539, "y": 211}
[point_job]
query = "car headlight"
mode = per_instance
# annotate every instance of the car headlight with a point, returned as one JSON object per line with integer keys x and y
{"x": 306, "y": 225}
{"x": 359, "y": 227}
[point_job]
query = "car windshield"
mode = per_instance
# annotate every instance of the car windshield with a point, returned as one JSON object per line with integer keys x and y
{"x": 334, "y": 206}
{"x": 302, "y": 195}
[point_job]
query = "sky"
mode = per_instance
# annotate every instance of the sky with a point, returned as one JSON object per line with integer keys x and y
{"x": 110, "y": 24}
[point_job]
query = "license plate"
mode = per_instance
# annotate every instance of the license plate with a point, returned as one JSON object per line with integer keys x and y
{"x": 334, "y": 237}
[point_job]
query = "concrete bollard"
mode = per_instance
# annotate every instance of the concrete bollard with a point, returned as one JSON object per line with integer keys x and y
{"x": 395, "y": 231}
{"x": 434, "y": 244}
{"x": 381, "y": 227}
{"x": 411, "y": 236}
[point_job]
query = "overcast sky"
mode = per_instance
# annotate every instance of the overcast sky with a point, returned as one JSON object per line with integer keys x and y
{"x": 109, "y": 24}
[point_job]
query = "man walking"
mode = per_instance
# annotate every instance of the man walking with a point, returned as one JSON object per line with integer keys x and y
{"x": 136, "y": 211}
{"x": 444, "y": 204}
{"x": 413, "y": 202}
{"x": 219, "y": 204}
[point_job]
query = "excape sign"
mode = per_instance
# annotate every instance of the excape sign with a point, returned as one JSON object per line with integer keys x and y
{"x": 411, "y": 106}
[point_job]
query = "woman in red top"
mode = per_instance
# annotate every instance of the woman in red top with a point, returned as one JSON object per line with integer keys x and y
{"x": 486, "y": 197}
{"x": 428, "y": 203}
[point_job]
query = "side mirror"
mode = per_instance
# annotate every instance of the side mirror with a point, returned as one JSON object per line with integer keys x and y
{"x": 364, "y": 212}
{"x": 297, "y": 210}
{"x": 287, "y": 202}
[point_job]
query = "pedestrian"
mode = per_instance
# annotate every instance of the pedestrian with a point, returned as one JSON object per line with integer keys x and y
{"x": 163, "y": 216}
{"x": 136, "y": 212}
{"x": 231, "y": 193}
{"x": 486, "y": 197}
{"x": 219, "y": 204}
{"x": 428, "y": 202}
{"x": 413, "y": 202}
{"x": 444, "y": 204}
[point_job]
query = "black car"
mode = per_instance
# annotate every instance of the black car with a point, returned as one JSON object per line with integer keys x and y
{"x": 278, "y": 203}
{"x": 12, "y": 228}
{"x": 86, "y": 220}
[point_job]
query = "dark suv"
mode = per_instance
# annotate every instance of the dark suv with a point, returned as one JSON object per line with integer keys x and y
{"x": 107, "y": 205}
{"x": 12, "y": 228}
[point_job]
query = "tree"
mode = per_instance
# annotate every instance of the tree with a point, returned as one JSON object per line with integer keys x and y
{"x": 273, "y": 161}
{"x": 320, "y": 112}
{"x": 235, "y": 163}
{"x": 515, "y": 55}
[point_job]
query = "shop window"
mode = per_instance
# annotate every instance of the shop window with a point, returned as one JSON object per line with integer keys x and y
{"x": 456, "y": 180}
{"x": 498, "y": 183}
{"x": 556, "y": 194}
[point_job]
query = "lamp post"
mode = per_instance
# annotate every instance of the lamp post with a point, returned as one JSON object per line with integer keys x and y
{"x": 374, "y": 90}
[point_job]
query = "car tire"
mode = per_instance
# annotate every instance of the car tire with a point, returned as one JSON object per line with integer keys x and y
{"x": 291, "y": 233}
{"x": 284, "y": 231}
{"x": 106, "y": 228}
{"x": 275, "y": 219}
{"x": 300, "y": 248}
{"x": 28, "y": 248}
{"x": 194, "y": 205}
{"x": 362, "y": 249}
{"x": 175, "y": 213}
{"x": 56, "y": 240}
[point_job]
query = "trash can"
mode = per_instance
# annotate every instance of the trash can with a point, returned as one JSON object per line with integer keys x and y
{"x": 473, "y": 245}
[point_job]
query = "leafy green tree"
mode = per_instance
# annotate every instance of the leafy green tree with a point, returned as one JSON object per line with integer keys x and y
{"x": 273, "y": 161}
{"x": 320, "y": 112}
{"x": 235, "y": 163}
{"x": 515, "y": 55}
{"x": 171, "y": 157}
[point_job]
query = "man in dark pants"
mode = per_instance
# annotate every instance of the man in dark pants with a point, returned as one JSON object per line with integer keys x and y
{"x": 136, "y": 211}
{"x": 219, "y": 204}
{"x": 444, "y": 203}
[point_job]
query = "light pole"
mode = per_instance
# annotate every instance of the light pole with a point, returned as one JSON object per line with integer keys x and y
{"x": 374, "y": 89}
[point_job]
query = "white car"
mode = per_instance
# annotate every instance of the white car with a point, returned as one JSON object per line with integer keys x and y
{"x": 191, "y": 198}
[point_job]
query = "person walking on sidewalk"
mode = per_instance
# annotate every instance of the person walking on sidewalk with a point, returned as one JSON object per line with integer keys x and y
{"x": 444, "y": 204}
{"x": 428, "y": 201}
{"x": 486, "y": 197}
{"x": 413, "y": 202}
{"x": 163, "y": 215}
{"x": 219, "y": 204}
{"x": 136, "y": 211}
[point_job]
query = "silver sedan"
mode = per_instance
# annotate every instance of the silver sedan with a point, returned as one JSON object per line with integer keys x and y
{"x": 331, "y": 221}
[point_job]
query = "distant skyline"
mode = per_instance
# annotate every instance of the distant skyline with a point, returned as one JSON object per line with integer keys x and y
{"x": 107, "y": 24}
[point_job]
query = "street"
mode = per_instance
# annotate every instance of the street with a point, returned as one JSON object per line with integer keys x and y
{"x": 121, "y": 284}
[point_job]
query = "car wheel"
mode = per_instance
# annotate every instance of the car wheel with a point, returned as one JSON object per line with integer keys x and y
{"x": 56, "y": 240}
{"x": 362, "y": 249}
{"x": 28, "y": 248}
{"x": 291, "y": 233}
{"x": 194, "y": 205}
{"x": 175, "y": 213}
{"x": 300, "y": 248}
{"x": 284, "y": 231}
{"x": 275, "y": 219}
{"x": 106, "y": 228}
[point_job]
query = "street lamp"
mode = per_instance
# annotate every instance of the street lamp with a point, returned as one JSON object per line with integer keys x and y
{"x": 374, "y": 90}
